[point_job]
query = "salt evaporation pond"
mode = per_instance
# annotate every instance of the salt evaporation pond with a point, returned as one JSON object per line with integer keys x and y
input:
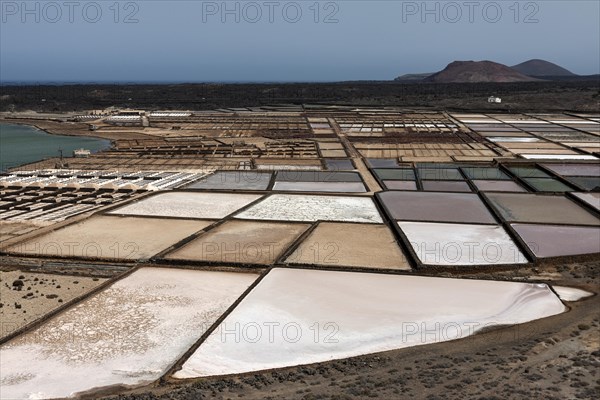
{"x": 571, "y": 294}
{"x": 129, "y": 334}
{"x": 529, "y": 207}
{"x": 111, "y": 237}
{"x": 350, "y": 245}
{"x": 575, "y": 169}
{"x": 461, "y": 244}
{"x": 284, "y": 207}
{"x": 234, "y": 180}
{"x": 443, "y": 207}
{"x": 341, "y": 187}
{"x": 238, "y": 241}
{"x": 188, "y": 205}
{"x": 325, "y": 315}
{"x": 498, "y": 186}
{"x": 559, "y": 240}
{"x": 593, "y": 199}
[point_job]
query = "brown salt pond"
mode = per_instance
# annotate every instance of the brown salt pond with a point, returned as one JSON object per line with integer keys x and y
{"x": 111, "y": 237}
{"x": 12, "y": 229}
{"x": 353, "y": 245}
{"x": 238, "y": 241}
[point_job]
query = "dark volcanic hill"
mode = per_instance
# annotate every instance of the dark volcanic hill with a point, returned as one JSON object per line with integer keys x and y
{"x": 541, "y": 68}
{"x": 476, "y": 72}
{"x": 413, "y": 77}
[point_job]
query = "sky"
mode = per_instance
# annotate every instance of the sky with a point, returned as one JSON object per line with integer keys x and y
{"x": 285, "y": 41}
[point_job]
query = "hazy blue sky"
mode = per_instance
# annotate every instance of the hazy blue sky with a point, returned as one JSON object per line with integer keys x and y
{"x": 346, "y": 40}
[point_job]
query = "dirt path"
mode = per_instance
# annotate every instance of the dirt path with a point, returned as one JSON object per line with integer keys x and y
{"x": 372, "y": 185}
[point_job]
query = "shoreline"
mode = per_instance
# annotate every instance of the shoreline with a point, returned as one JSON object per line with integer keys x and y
{"x": 53, "y": 127}
{"x": 39, "y": 128}
{"x": 110, "y": 144}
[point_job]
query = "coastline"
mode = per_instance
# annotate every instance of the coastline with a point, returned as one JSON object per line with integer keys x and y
{"x": 56, "y": 133}
{"x": 107, "y": 143}
{"x": 79, "y": 129}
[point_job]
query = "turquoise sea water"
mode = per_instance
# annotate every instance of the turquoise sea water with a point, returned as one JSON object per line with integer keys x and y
{"x": 22, "y": 144}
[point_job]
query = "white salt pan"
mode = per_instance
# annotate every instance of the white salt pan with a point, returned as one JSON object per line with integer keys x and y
{"x": 188, "y": 205}
{"x": 515, "y": 139}
{"x": 558, "y": 157}
{"x": 129, "y": 334}
{"x": 592, "y": 198}
{"x": 286, "y": 207}
{"x": 461, "y": 244}
{"x": 295, "y": 317}
{"x": 571, "y": 294}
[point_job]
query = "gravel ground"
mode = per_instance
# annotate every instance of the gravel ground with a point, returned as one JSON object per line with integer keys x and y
{"x": 26, "y": 296}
